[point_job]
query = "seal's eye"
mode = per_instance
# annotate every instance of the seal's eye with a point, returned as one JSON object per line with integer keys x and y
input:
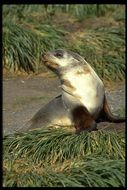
{"x": 59, "y": 54}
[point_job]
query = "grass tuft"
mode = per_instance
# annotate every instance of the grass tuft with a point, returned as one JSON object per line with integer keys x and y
{"x": 33, "y": 30}
{"x": 23, "y": 47}
{"x": 55, "y": 157}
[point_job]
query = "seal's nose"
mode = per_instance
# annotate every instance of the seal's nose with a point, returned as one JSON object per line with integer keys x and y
{"x": 43, "y": 55}
{"x": 46, "y": 54}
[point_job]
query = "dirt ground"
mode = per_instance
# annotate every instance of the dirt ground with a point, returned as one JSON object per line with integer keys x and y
{"x": 24, "y": 96}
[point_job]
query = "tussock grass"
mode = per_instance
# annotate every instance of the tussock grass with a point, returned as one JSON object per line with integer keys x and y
{"x": 32, "y": 31}
{"x": 89, "y": 172}
{"x": 78, "y": 10}
{"x": 104, "y": 48}
{"x": 55, "y": 157}
{"x": 57, "y": 144}
{"x": 23, "y": 47}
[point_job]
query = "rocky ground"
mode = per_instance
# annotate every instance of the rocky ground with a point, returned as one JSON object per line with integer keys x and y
{"x": 23, "y": 96}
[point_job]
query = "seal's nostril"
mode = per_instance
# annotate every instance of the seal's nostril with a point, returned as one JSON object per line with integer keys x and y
{"x": 43, "y": 54}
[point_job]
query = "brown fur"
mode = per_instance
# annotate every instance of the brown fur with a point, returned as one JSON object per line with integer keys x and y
{"x": 68, "y": 84}
{"x": 86, "y": 70}
{"x": 79, "y": 72}
{"x": 82, "y": 119}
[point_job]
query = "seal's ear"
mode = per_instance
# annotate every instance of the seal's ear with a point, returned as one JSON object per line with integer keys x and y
{"x": 76, "y": 56}
{"x": 83, "y": 120}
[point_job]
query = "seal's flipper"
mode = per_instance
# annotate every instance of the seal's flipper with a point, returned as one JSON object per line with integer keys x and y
{"x": 52, "y": 114}
{"x": 106, "y": 114}
{"x": 83, "y": 120}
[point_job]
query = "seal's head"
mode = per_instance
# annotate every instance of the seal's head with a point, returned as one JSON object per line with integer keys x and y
{"x": 59, "y": 59}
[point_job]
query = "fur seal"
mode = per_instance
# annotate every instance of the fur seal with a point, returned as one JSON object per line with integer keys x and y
{"x": 82, "y": 102}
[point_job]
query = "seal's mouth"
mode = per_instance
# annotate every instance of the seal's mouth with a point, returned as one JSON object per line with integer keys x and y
{"x": 47, "y": 58}
{"x": 49, "y": 61}
{"x": 52, "y": 67}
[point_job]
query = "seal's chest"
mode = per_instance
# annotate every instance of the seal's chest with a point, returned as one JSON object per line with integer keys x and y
{"x": 86, "y": 88}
